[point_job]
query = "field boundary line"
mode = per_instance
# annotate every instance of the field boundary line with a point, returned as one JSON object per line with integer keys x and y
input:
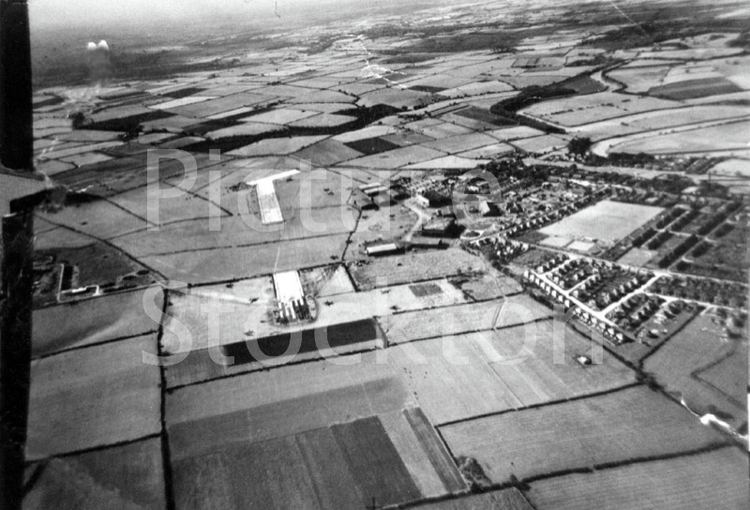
{"x": 111, "y": 245}
{"x": 248, "y": 245}
{"x": 642, "y": 361}
{"x": 264, "y": 368}
{"x": 474, "y": 331}
{"x": 166, "y": 454}
{"x": 524, "y": 485}
{"x": 127, "y": 211}
{"x": 605, "y": 466}
{"x": 575, "y": 398}
{"x": 91, "y": 298}
{"x": 92, "y": 449}
{"x": 94, "y": 344}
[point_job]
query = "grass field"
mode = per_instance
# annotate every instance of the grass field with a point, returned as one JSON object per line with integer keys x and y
{"x": 631, "y": 423}
{"x": 717, "y": 479}
{"x": 317, "y": 469}
{"x": 328, "y": 152}
{"x": 579, "y": 110}
{"x": 99, "y": 218}
{"x": 706, "y": 368}
{"x": 276, "y": 146}
{"x": 461, "y": 143}
{"x": 101, "y": 319}
{"x": 506, "y": 499}
{"x": 239, "y": 231}
{"x": 413, "y": 267}
{"x": 457, "y": 377}
{"x": 406, "y": 327}
{"x": 125, "y": 476}
{"x": 397, "y": 158}
{"x": 323, "y": 120}
{"x": 726, "y": 137}
{"x": 94, "y": 397}
{"x": 606, "y": 221}
{"x": 692, "y": 88}
{"x": 232, "y": 263}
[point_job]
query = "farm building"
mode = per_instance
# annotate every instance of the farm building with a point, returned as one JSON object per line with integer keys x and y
{"x": 381, "y": 249}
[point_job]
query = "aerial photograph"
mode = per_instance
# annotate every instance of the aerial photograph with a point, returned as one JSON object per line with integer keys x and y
{"x": 375, "y": 255}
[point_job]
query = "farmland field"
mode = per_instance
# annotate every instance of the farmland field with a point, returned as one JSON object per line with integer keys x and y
{"x": 318, "y": 468}
{"x": 412, "y": 267}
{"x": 101, "y": 319}
{"x": 716, "y": 479}
{"x": 103, "y": 395}
{"x": 506, "y": 499}
{"x": 238, "y": 231}
{"x": 397, "y": 158}
{"x": 231, "y": 263}
{"x": 276, "y": 146}
{"x": 581, "y": 110}
{"x": 457, "y": 377}
{"x": 409, "y": 326}
{"x": 607, "y": 221}
{"x": 729, "y": 137}
{"x": 116, "y": 477}
{"x": 689, "y": 363}
{"x": 579, "y": 434}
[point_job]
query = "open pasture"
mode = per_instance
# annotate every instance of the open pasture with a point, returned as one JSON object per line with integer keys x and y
{"x": 579, "y": 434}
{"x": 413, "y": 267}
{"x": 322, "y": 96}
{"x": 689, "y": 362}
{"x": 541, "y": 144}
{"x": 726, "y": 138}
{"x": 125, "y": 476}
{"x": 280, "y": 116}
{"x": 692, "y": 88}
{"x": 205, "y": 109}
{"x": 506, "y": 499}
{"x": 246, "y": 230}
{"x": 327, "y": 152}
{"x": 395, "y": 97}
{"x": 322, "y": 121}
{"x": 270, "y": 404}
{"x": 458, "y": 377}
{"x": 716, "y": 479}
{"x": 648, "y": 122}
{"x": 245, "y": 129}
{"x": 232, "y": 263}
{"x": 468, "y": 318}
{"x": 488, "y": 151}
{"x": 639, "y": 80}
{"x": 448, "y": 163}
{"x": 461, "y": 143}
{"x": 102, "y": 319}
{"x": 326, "y": 467}
{"x": 94, "y": 397}
{"x": 397, "y": 158}
{"x": 276, "y": 146}
{"x": 99, "y": 218}
{"x": 579, "y": 110}
{"x": 172, "y": 208}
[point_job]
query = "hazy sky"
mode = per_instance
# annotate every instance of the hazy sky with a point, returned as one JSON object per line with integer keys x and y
{"x": 77, "y": 12}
